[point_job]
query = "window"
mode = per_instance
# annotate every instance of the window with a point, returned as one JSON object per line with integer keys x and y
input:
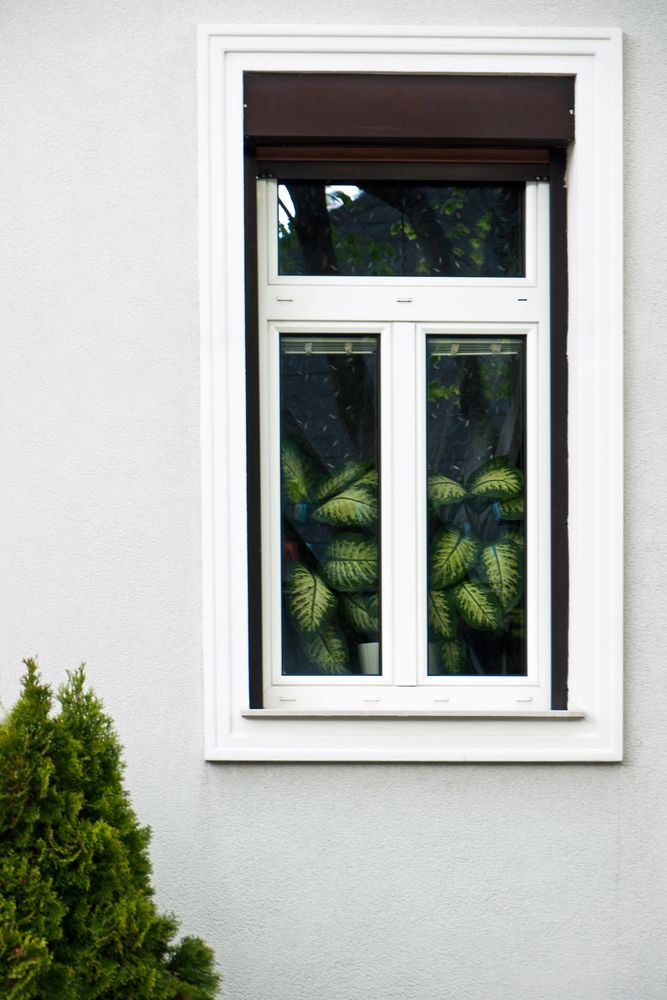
{"x": 404, "y": 591}
{"x": 400, "y": 433}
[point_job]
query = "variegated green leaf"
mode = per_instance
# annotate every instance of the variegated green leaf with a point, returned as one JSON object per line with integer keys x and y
{"x": 516, "y": 620}
{"x": 362, "y": 611}
{"x": 355, "y": 506}
{"x": 309, "y": 601}
{"x": 512, "y": 509}
{"x": 443, "y": 490}
{"x": 453, "y": 653}
{"x": 479, "y": 606}
{"x": 501, "y": 566}
{"x": 351, "y": 562}
{"x": 349, "y": 472}
{"x": 298, "y": 472}
{"x": 442, "y": 613}
{"x": 327, "y": 650}
{"x": 515, "y": 535}
{"x": 451, "y": 556}
{"x": 496, "y": 480}
{"x": 369, "y": 479}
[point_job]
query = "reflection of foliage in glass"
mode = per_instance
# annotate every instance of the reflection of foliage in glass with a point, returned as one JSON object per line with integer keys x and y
{"x": 496, "y": 377}
{"x": 468, "y": 235}
{"x": 400, "y": 228}
{"x": 288, "y": 243}
{"x": 438, "y": 390}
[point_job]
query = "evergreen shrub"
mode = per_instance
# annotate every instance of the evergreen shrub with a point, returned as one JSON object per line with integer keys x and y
{"x": 77, "y": 915}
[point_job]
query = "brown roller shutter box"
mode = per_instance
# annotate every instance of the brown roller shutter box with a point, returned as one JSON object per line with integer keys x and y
{"x": 392, "y": 108}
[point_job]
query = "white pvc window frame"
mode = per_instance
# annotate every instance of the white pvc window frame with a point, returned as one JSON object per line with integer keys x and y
{"x": 593, "y": 731}
{"x": 412, "y": 310}
{"x": 268, "y": 223}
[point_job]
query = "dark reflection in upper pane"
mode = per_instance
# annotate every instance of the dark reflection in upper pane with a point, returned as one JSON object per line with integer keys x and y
{"x": 329, "y": 437}
{"x": 401, "y": 229}
{"x": 476, "y": 505}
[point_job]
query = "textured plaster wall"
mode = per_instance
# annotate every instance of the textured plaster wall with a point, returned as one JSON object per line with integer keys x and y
{"x": 317, "y": 882}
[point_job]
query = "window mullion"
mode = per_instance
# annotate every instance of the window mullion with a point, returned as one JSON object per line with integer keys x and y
{"x": 402, "y": 519}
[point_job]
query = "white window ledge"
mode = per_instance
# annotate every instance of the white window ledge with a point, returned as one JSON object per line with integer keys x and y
{"x": 281, "y": 713}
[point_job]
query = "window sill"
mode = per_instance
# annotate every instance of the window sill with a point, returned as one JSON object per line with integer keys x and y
{"x": 285, "y": 713}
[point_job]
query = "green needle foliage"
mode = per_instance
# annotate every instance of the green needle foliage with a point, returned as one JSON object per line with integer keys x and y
{"x": 77, "y": 915}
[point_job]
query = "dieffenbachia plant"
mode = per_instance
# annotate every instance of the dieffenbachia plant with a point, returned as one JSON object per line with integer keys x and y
{"x": 337, "y": 594}
{"x": 475, "y": 571}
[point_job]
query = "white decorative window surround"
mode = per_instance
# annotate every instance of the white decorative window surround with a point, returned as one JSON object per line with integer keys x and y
{"x": 591, "y": 727}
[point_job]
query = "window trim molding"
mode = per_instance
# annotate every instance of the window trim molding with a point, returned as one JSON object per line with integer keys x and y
{"x": 595, "y": 394}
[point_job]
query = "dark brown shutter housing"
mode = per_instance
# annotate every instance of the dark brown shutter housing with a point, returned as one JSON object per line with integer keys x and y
{"x": 292, "y": 108}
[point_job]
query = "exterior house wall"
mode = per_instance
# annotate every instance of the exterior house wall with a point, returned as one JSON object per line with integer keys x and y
{"x": 319, "y": 881}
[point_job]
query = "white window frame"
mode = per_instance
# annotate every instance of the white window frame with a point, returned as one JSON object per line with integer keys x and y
{"x": 592, "y": 728}
{"x": 411, "y": 310}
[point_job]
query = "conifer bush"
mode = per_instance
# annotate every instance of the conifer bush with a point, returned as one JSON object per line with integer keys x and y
{"x": 77, "y": 915}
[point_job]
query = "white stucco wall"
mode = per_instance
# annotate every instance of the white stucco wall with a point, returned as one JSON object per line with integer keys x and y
{"x": 313, "y": 882}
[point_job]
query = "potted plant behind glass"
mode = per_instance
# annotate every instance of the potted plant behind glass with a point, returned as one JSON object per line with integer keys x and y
{"x": 476, "y": 564}
{"x": 331, "y": 561}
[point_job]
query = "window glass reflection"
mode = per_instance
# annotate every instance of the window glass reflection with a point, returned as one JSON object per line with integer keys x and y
{"x": 401, "y": 229}
{"x": 476, "y": 505}
{"x": 329, "y": 432}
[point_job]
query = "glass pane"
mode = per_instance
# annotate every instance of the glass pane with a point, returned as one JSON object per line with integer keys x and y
{"x": 476, "y": 505}
{"x": 329, "y": 435}
{"x": 402, "y": 229}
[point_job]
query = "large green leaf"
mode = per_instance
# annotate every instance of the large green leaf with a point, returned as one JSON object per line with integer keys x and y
{"x": 442, "y": 613}
{"x": 496, "y": 480}
{"x": 515, "y": 535}
{"x": 356, "y": 506}
{"x": 309, "y": 601}
{"x": 479, "y": 606}
{"x": 362, "y": 611}
{"x": 453, "y": 653}
{"x": 298, "y": 472}
{"x": 348, "y": 472}
{"x": 351, "y": 562}
{"x": 327, "y": 650}
{"x": 370, "y": 479}
{"x": 442, "y": 490}
{"x": 452, "y": 554}
{"x": 501, "y": 566}
{"x": 512, "y": 509}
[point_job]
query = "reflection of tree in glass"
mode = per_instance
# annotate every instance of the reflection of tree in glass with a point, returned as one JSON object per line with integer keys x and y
{"x": 310, "y": 223}
{"x": 476, "y": 402}
{"x": 401, "y": 229}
